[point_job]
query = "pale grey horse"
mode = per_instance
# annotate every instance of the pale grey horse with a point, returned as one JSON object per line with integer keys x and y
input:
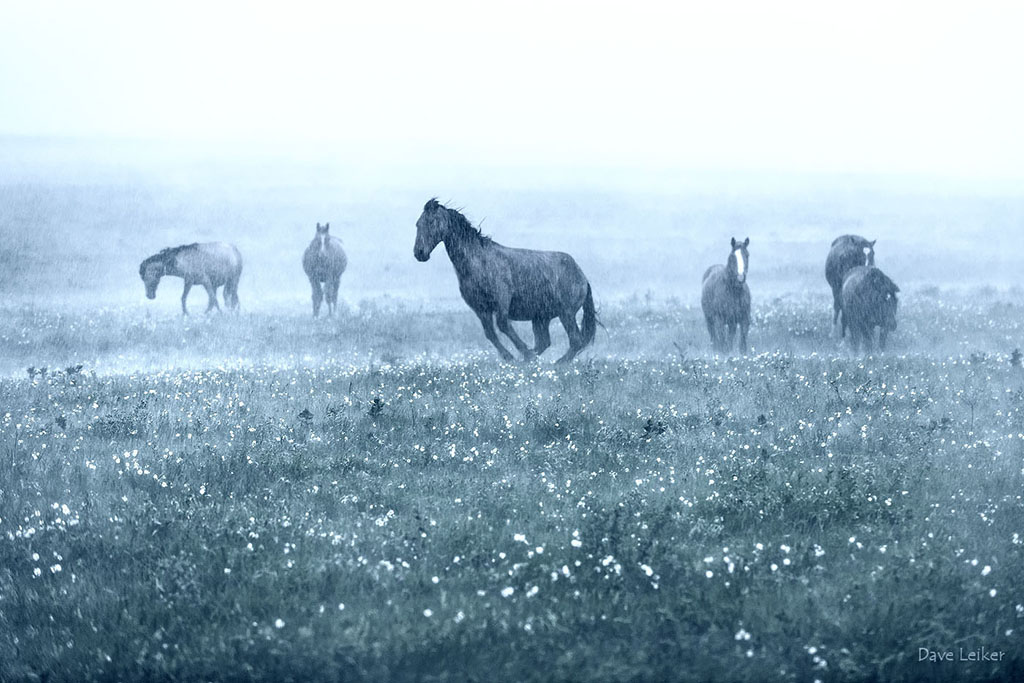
{"x": 324, "y": 261}
{"x": 208, "y": 264}
{"x": 847, "y": 252}
{"x": 502, "y": 284}
{"x": 725, "y": 299}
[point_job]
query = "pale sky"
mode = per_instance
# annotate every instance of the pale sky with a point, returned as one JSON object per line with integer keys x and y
{"x": 875, "y": 87}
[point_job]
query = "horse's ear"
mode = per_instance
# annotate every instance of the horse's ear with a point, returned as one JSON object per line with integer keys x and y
{"x": 327, "y": 226}
{"x": 733, "y": 240}
{"x": 872, "y": 243}
{"x": 746, "y": 242}
{"x": 318, "y": 225}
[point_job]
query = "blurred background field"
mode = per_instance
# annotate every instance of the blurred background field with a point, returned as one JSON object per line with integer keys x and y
{"x": 390, "y": 331}
{"x": 74, "y": 234}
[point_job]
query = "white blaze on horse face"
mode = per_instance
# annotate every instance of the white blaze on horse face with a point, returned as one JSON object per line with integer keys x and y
{"x": 323, "y": 243}
{"x": 741, "y": 267}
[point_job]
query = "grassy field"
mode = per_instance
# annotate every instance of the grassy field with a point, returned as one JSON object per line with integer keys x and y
{"x": 252, "y": 497}
{"x": 375, "y": 497}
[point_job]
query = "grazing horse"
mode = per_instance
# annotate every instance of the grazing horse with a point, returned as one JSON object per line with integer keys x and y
{"x": 847, "y": 252}
{"x": 725, "y": 298}
{"x": 210, "y": 264}
{"x": 502, "y": 283}
{"x": 869, "y": 301}
{"x": 324, "y": 261}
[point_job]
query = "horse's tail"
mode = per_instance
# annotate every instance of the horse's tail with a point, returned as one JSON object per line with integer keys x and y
{"x": 589, "y": 318}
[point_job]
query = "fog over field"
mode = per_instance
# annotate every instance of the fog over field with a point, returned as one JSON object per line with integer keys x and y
{"x": 81, "y": 215}
{"x": 380, "y": 494}
{"x": 79, "y": 220}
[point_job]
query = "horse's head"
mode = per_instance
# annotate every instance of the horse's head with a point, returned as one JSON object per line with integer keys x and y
{"x": 869, "y": 253}
{"x": 322, "y": 235}
{"x": 151, "y": 271}
{"x": 430, "y": 229}
{"x": 739, "y": 260}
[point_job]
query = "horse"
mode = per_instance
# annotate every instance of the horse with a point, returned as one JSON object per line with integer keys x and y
{"x": 869, "y": 301}
{"x": 324, "y": 261}
{"x": 847, "y": 252}
{"x": 502, "y": 283}
{"x": 210, "y": 264}
{"x": 725, "y": 298}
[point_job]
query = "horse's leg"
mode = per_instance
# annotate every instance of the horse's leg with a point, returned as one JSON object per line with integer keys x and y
{"x": 332, "y": 294}
{"x": 837, "y": 306}
{"x": 541, "y": 335}
{"x": 211, "y": 291}
{"x": 575, "y": 336}
{"x": 318, "y": 296}
{"x": 231, "y": 294}
{"x": 730, "y": 334}
{"x": 184, "y": 295}
{"x": 486, "y": 319}
{"x": 711, "y": 331}
{"x": 883, "y": 337}
{"x": 868, "y": 334}
{"x": 744, "y": 327}
{"x": 501, "y": 317}
{"x": 864, "y": 335}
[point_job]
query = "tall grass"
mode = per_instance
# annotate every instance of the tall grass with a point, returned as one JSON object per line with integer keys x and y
{"x": 253, "y": 498}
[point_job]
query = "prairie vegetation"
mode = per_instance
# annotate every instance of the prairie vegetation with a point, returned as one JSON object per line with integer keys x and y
{"x": 376, "y": 497}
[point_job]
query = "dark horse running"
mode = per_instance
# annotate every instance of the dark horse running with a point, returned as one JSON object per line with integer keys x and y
{"x": 725, "y": 298}
{"x": 501, "y": 283}
{"x": 324, "y": 261}
{"x": 847, "y": 252}
{"x": 210, "y": 264}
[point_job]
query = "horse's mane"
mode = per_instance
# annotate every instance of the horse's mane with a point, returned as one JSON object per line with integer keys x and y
{"x": 852, "y": 239}
{"x": 883, "y": 282}
{"x": 459, "y": 223}
{"x": 165, "y": 255}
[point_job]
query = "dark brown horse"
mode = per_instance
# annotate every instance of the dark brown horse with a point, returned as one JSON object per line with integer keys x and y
{"x": 210, "y": 264}
{"x": 869, "y": 301}
{"x": 847, "y": 252}
{"x": 725, "y": 299}
{"x": 324, "y": 261}
{"x": 501, "y": 283}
